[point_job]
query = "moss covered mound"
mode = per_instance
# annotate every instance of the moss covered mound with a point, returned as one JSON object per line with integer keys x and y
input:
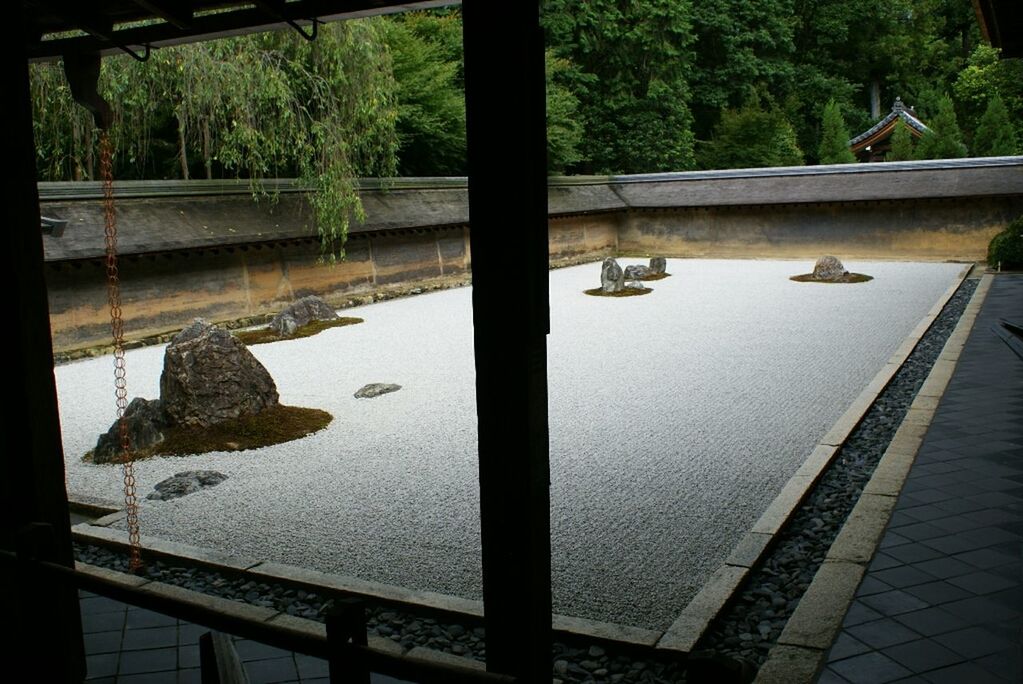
{"x": 273, "y": 426}
{"x": 847, "y": 278}
{"x": 265, "y": 335}
{"x": 627, "y": 292}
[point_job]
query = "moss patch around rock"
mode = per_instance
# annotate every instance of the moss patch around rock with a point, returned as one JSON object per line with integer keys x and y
{"x": 265, "y": 335}
{"x": 272, "y": 426}
{"x": 627, "y": 292}
{"x": 848, "y": 278}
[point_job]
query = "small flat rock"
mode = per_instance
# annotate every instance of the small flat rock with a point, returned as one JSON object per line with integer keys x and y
{"x": 635, "y": 285}
{"x": 185, "y": 483}
{"x": 375, "y": 389}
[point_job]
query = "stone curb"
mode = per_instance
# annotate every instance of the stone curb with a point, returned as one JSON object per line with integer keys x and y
{"x": 696, "y": 617}
{"x": 450, "y": 607}
{"x": 817, "y": 620}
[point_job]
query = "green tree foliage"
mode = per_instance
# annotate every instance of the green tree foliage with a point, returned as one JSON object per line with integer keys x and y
{"x": 995, "y": 135}
{"x": 564, "y": 131}
{"x": 752, "y": 137}
{"x": 431, "y": 101}
{"x": 631, "y": 79}
{"x": 251, "y": 107}
{"x": 1006, "y": 248}
{"x": 834, "y": 147}
{"x": 985, "y": 76}
{"x": 944, "y": 140}
{"x": 903, "y": 147}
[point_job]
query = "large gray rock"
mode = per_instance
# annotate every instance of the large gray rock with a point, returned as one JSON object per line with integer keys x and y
{"x": 210, "y": 376}
{"x": 375, "y": 389}
{"x": 146, "y": 423}
{"x": 297, "y": 314}
{"x": 658, "y": 265}
{"x": 185, "y": 483}
{"x": 612, "y": 278}
{"x": 637, "y": 272}
{"x": 829, "y": 268}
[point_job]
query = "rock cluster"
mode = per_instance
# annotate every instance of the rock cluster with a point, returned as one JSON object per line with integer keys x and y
{"x": 301, "y": 312}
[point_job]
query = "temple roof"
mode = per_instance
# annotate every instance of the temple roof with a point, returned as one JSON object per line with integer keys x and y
{"x": 884, "y": 128}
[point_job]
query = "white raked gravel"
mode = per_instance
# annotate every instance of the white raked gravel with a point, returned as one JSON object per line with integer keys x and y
{"x": 675, "y": 419}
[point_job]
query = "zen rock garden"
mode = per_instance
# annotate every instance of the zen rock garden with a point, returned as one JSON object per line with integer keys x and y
{"x": 618, "y": 282}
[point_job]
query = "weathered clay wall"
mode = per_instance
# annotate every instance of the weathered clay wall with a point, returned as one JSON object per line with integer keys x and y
{"x": 947, "y": 230}
{"x": 163, "y": 292}
{"x": 203, "y": 248}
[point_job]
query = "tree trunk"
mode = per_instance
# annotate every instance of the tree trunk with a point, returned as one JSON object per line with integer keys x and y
{"x": 206, "y": 149}
{"x": 76, "y": 149}
{"x": 181, "y": 145}
{"x": 875, "y": 99}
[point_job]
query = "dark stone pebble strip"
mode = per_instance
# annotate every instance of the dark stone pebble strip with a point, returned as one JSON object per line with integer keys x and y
{"x": 746, "y": 631}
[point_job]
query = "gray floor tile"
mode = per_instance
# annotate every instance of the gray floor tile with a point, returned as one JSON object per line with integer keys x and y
{"x": 272, "y": 671}
{"x": 923, "y": 655}
{"x": 149, "y": 678}
{"x": 932, "y": 621}
{"x": 103, "y": 642}
{"x": 983, "y": 583}
{"x": 962, "y": 673}
{"x": 944, "y": 568}
{"x": 100, "y": 604}
{"x": 102, "y": 622}
{"x": 141, "y": 619}
{"x": 829, "y": 676}
{"x": 905, "y": 575}
{"x": 152, "y": 637}
{"x": 253, "y": 650}
{"x": 309, "y": 667}
{"x": 893, "y": 602}
{"x": 882, "y": 633}
{"x": 859, "y": 613}
{"x": 914, "y": 553}
{"x": 974, "y": 642}
{"x": 939, "y": 592}
{"x": 104, "y": 665}
{"x": 152, "y": 660}
{"x": 188, "y": 656}
{"x": 190, "y": 676}
{"x": 870, "y": 668}
{"x": 872, "y": 585}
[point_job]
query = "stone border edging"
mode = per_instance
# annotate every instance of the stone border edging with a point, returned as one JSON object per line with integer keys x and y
{"x": 694, "y": 620}
{"x": 803, "y": 645}
{"x": 450, "y": 607}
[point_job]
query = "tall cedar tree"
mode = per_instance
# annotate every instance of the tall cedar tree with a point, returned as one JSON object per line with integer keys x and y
{"x": 995, "y": 136}
{"x": 944, "y": 140}
{"x": 902, "y": 144}
{"x": 750, "y": 138}
{"x": 834, "y": 147}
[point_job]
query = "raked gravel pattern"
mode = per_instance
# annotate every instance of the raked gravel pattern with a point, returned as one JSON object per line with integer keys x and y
{"x": 675, "y": 420}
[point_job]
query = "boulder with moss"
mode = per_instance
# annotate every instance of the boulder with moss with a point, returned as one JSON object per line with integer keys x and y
{"x": 210, "y": 376}
{"x": 299, "y": 313}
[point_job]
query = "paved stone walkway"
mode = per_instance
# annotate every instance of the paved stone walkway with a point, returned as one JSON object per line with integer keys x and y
{"x": 942, "y": 600}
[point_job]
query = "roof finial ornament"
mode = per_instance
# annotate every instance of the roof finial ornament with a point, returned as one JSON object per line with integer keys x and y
{"x": 898, "y": 106}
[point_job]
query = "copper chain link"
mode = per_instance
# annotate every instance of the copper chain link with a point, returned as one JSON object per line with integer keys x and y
{"x": 117, "y": 329}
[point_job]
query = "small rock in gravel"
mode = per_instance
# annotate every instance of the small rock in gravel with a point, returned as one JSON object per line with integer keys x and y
{"x": 185, "y": 483}
{"x": 375, "y": 389}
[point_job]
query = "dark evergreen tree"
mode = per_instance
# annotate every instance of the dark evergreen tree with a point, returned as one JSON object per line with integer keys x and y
{"x": 944, "y": 140}
{"x": 902, "y": 144}
{"x": 834, "y": 147}
{"x": 995, "y": 136}
{"x": 752, "y": 137}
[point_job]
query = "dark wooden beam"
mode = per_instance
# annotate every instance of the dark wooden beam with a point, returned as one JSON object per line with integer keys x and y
{"x": 45, "y": 624}
{"x": 506, "y": 133}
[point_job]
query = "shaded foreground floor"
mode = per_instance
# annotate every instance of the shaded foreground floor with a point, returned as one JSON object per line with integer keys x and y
{"x": 942, "y": 600}
{"x": 128, "y": 645}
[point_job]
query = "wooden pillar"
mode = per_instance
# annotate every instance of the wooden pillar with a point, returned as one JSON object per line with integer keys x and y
{"x": 44, "y": 620}
{"x": 506, "y": 133}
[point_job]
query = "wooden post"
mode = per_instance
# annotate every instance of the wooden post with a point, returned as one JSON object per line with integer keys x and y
{"x": 506, "y": 133}
{"x": 346, "y": 622}
{"x": 46, "y": 629}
